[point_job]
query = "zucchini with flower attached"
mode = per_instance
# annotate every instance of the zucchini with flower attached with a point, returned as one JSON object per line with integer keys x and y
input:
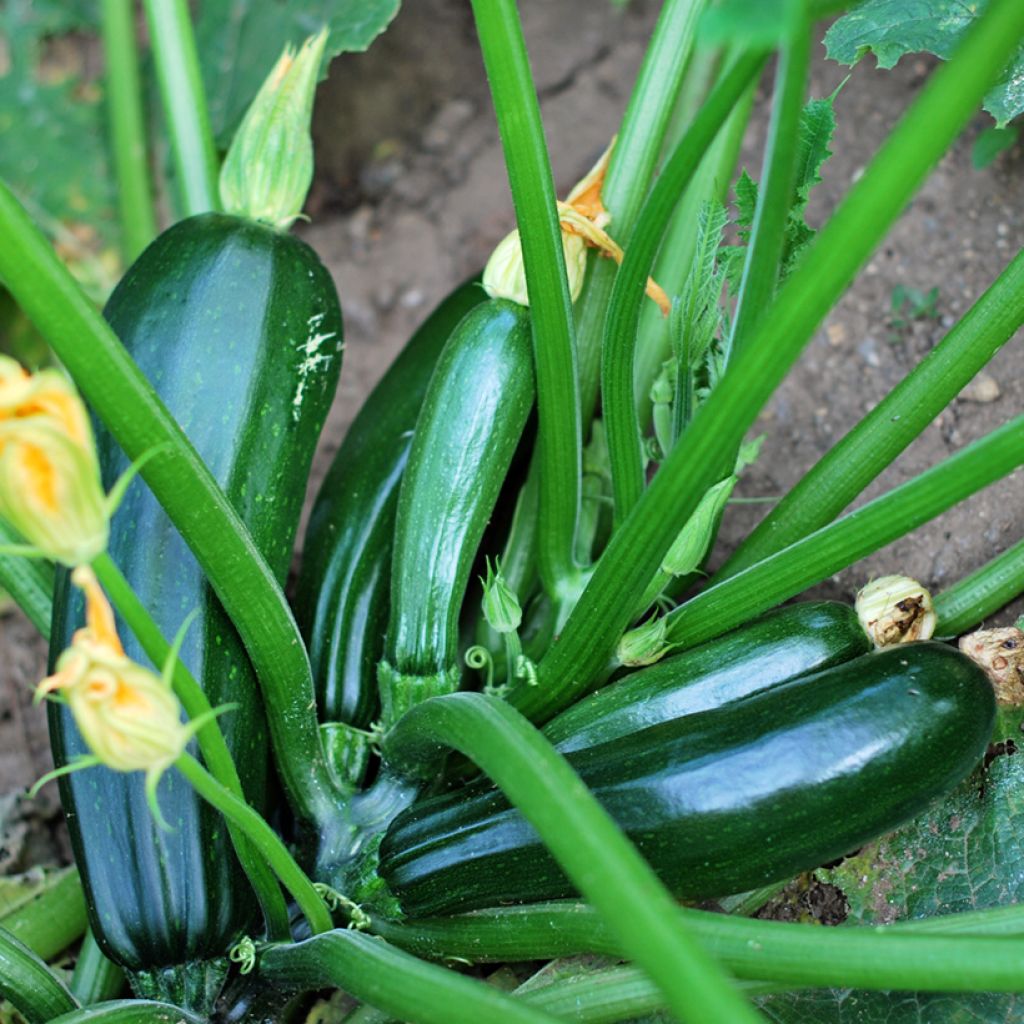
{"x": 342, "y": 593}
{"x": 237, "y": 326}
{"x": 725, "y": 800}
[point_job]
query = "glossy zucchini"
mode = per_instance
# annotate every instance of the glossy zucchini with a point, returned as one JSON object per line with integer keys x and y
{"x": 468, "y": 429}
{"x": 786, "y": 643}
{"x": 726, "y": 800}
{"x": 238, "y": 328}
{"x": 342, "y": 593}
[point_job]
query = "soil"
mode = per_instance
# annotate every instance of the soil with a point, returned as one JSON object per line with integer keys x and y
{"x": 411, "y": 196}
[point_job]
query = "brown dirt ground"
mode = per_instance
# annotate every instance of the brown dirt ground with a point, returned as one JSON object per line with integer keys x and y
{"x": 411, "y": 196}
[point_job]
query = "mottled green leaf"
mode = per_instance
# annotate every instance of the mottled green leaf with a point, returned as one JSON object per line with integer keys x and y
{"x": 891, "y": 28}
{"x": 963, "y": 853}
{"x": 239, "y": 41}
{"x": 990, "y": 143}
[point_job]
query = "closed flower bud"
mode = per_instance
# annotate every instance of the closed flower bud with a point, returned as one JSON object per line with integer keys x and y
{"x": 269, "y": 166}
{"x": 895, "y": 610}
{"x": 50, "y": 490}
{"x": 694, "y": 539}
{"x": 500, "y": 604}
{"x": 645, "y": 644}
{"x": 505, "y": 274}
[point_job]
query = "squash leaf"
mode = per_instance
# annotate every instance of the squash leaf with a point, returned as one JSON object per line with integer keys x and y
{"x": 238, "y": 42}
{"x": 51, "y": 117}
{"x": 891, "y": 28}
{"x": 963, "y": 853}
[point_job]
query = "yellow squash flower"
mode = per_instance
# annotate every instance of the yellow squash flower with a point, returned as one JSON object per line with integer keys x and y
{"x": 128, "y": 716}
{"x": 50, "y": 489}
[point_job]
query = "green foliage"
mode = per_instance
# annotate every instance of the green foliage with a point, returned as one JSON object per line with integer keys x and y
{"x": 749, "y": 23}
{"x": 817, "y": 126}
{"x": 55, "y": 113}
{"x": 891, "y": 28}
{"x": 964, "y": 853}
{"x": 909, "y": 304}
{"x": 239, "y": 42}
{"x": 990, "y": 143}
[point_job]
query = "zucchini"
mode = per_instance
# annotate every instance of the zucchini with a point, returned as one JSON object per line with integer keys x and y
{"x": 471, "y": 422}
{"x": 726, "y": 800}
{"x": 239, "y": 330}
{"x": 342, "y": 593}
{"x": 786, "y": 643}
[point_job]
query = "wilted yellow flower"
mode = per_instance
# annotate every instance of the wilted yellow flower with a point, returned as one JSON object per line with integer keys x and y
{"x": 128, "y": 716}
{"x": 50, "y": 489}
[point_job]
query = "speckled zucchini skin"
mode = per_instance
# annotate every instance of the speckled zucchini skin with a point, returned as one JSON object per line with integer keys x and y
{"x": 343, "y": 590}
{"x": 786, "y": 643}
{"x": 239, "y": 330}
{"x": 726, "y": 800}
{"x": 471, "y": 421}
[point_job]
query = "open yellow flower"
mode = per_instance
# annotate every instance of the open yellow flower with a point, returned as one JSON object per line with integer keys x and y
{"x": 50, "y": 489}
{"x": 128, "y": 716}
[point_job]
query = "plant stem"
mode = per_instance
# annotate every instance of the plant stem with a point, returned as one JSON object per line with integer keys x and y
{"x": 263, "y": 838}
{"x": 388, "y": 978}
{"x": 620, "y": 329}
{"x": 974, "y": 598}
{"x": 873, "y": 203}
{"x": 630, "y": 171}
{"x": 775, "y": 195}
{"x": 184, "y": 104}
{"x": 96, "y": 978}
{"x": 675, "y": 256}
{"x": 592, "y": 850}
{"x": 53, "y": 919}
{"x": 211, "y": 740}
{"x": 127, "y": 127}
{"x": 29, "y": 582}
{"x": 129, "y": 1011}
{"x": 533, "y": 195}
{"x": 139, "y": 421}
{"x": 29, "y": 985}
{"x": 833, "y": 547}
{"x": 838, "y": 477}
{"x": 933, "y": 955}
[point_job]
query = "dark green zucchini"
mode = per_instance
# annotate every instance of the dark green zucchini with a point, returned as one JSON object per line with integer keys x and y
{"x": 239, "y": 330}
{"x": 468, "y": 429}
{"x": 786, "y": 643}
{"x": 726, "y": 800}
{"x": 342, "y": 593}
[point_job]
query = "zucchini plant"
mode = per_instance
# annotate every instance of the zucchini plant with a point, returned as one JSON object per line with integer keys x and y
{"x": 594, "y": 733}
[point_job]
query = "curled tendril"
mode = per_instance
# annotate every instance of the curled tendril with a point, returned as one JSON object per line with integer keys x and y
{"x": 243, "y": 953}
{"x": 479, "y": 659}
{"x": 358, "y": 919}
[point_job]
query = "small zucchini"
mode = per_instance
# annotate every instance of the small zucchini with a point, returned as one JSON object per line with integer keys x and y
{"x": 343, "y": 589}
{"x": 238, "y": 328}
{"x": 468, "y": 429}
{"x": 726, "y": 800}
{"x": 786, "y": 643}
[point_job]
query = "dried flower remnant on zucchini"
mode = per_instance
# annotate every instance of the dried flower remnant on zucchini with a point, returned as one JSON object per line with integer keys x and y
{"x": 896, "y": 610}
{"x": 1000, "y": 652}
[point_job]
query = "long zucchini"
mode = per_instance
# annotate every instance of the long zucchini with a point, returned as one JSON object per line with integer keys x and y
{"x": 343, "y": 589}
{"x": 238, "y": 328}
{"x": 788, "y": 642}
{"x": 468, "y": 429}
{"x": 726, "y": 800}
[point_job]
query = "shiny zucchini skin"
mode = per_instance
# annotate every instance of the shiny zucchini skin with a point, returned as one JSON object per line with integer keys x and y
{"x": 786, "y": 643}
{"x": 726, "y": 800}
{"x": 342, "y": 593}
{"x": 470, "y": 424}
{"x": 238, "y": 328}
